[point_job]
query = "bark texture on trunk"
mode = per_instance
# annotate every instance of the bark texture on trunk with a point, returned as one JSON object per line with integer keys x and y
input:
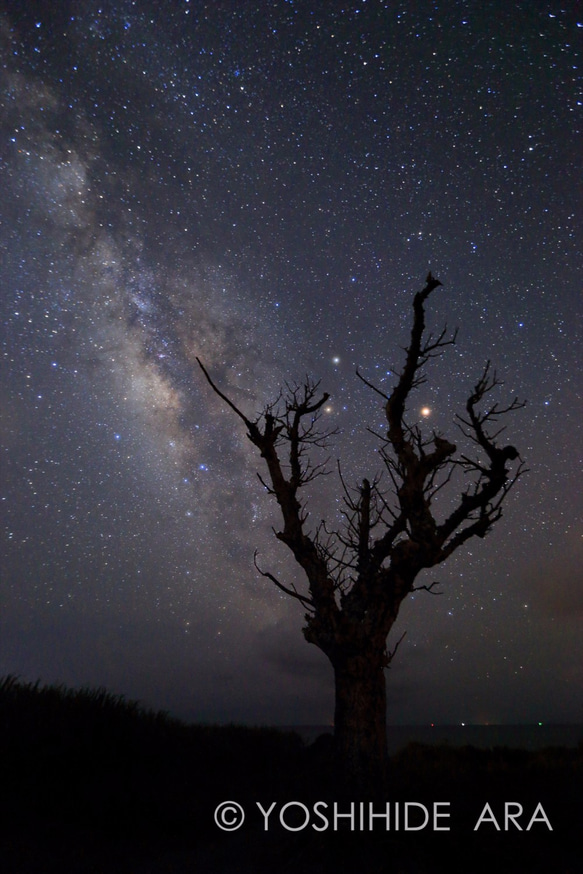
{"x": 360, "y": 723}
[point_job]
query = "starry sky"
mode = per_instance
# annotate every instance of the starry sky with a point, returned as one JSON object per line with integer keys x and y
{"x": 265, "y": 185}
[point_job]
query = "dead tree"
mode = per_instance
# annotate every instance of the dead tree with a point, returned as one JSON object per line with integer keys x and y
{"x": 358, "y": 576}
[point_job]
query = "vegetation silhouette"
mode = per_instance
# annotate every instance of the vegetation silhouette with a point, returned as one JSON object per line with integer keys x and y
{"x": 90, "y": 782}
{"x": 358, "y": 575}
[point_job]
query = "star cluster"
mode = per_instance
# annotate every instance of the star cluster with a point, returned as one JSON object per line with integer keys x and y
{"x": 264, "y": 185}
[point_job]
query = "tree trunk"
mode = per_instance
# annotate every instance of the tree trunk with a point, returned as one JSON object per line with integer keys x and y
{"x": 360, "y": 723}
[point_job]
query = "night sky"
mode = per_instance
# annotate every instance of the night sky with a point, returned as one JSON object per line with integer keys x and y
{"x": 265, "y": 185}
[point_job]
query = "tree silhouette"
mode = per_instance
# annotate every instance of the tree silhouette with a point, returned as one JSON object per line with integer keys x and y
{"x": 358, "y": 576}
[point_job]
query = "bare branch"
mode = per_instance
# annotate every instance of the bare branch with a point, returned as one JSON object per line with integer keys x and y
{"x": 428, "y": 588}
{"x": 390, "y": 654}
{"x": 370, "y": 385}
{"x": 292, "y": 592}
{"x": 252, "y": 427}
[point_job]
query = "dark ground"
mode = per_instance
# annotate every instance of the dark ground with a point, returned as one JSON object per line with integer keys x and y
{"x": 91, "y": 783}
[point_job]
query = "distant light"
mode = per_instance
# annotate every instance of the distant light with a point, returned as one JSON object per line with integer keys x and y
{"x": 425, "y": 412}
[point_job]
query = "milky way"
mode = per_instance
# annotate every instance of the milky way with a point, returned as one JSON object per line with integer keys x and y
{"x": 265, "y": 186}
